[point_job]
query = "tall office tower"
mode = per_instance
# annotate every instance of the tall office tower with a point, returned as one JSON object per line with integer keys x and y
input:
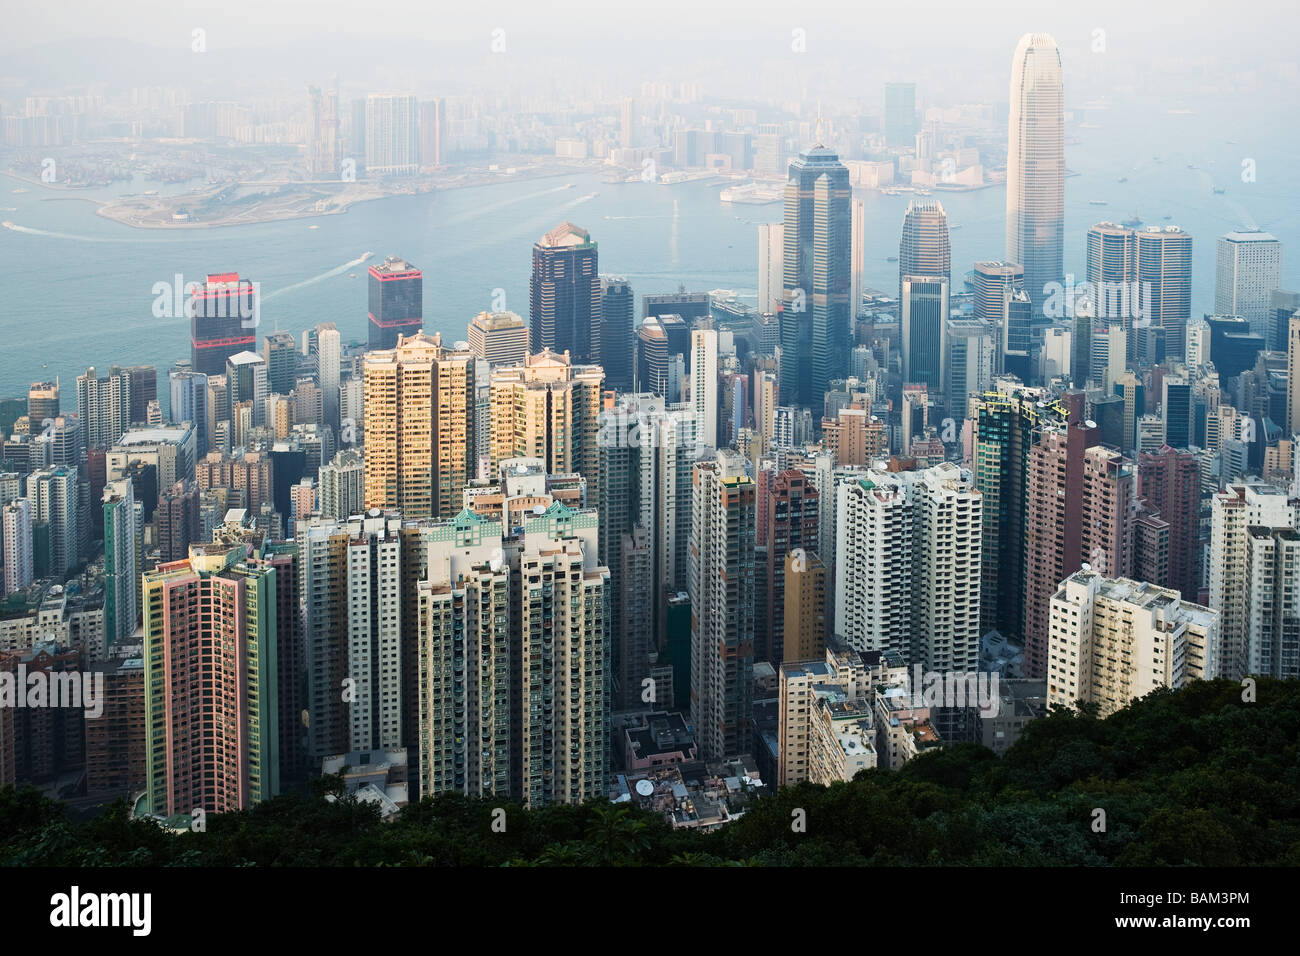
{"x": 211, "y": 682}
{"x": 807, "y": 603}
{"x": 1114, "y": 640}
{"x": 924, "y": 322}
{"x": 1293, "y": 375}
{"x": 652, "y": 359}
{"x": 771, "y": 265}
{"x": 564, "y": 294}
{"x": 704, "y": 383}
{"x": 16, "y": 539}
{"x": 121, "y": 561}
{"x": 1282, "y": 304}
{"x": 419, "y": 400}
{"x": 1177, "y": 410}
{"x": 617, "y": 332}
{"x": 900, "y": 114}
{"x": 1247, "y": 271}
{"x": 1129, "y": 387}
{"x": 923, "y": 247}
{"x": 142, "y": 387}
{"x": 329, "y": 364}
{"x": 1112, "y": 258}
{"x": 547, "y": 408}
{"x": 1081, "y": 504}
{"x": 53, "y": 493}
{"x": 1164, "y": 268}
{"x": 322, "y": 133}
{"x": 431, "y": 128}
{"x": 177, "y": 521}
{"x": 815, "y": 318}
{"x": 970, "y": 362}
{"x": 1036, "y": 165}
{"x": 189, "y": 403}
{"x": 721, "y": 589}
{"x": 687, "y": 306}
{"x": 858, "y": 252}
{"x": 247, "y": 382}
{"x": 1015, "y": 355}
{"x": 281, "y": 356}
{"x": 392, "y": 135}
{"x": 42, "y": 405}
{"x": 1243, "y": 517}
{"x": 224, "y": 313}
{"x": 103, "y": 406}
{"x": 992, "y": 280}
{"x": 498, "y": 338}
{"x": 1003, "y": 435}
{"x": 792, "y": 510}
{"x": 1170, "y": 483}
{"x": 396, "y": 302}
{"x": 343, "y": 486}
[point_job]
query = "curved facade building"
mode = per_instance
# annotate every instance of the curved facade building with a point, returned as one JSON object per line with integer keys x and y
{"x": 924, "y": 248}
{"x": 1036, "y": 164}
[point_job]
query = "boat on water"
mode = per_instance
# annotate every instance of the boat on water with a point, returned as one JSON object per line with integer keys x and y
{"x": 570, "y": 185}
{"x": 1133, "y": 223}
{"x": 1122, "y": 179}
{"x": 1169, "y": 217}
{"x": 1098, "y": 202}
{"x": 892, "y": 259}
{"x": 20, "y": 190}
{"x": 1218, "y": 190}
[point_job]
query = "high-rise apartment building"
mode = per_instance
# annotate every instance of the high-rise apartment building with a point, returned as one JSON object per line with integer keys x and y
{"x": 343, "y": 486}
{"x": 771, "y": 265}
{"x": 211, "y": 682}
{"x": 16, "y": 539}
{"x": 721, "y": 589}
{"x": 392, "y": 135}
{"x": 1170, "y": 482}
{"x": 565, "y": 294}
{"x": 1081, "y": 500}
{"x": 792, "y": 518}
{"x": 103, "y": 407}
{"x": 1114, "y": 640}
{"x": 54, "y": 496}
{"x": 1036, "y": 165}
{"x": 548, "y": 407}
{"x": 908, "y": 565}
{"x": 704, "y": 383}
{"x": 419, "y": 402}
{"x": 122, "y": 538}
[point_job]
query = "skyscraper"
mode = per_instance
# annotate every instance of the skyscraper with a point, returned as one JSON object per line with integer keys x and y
{"x": 704, "y": 383}
{"x": 16, "y": 537}
{"x": 617, "y": 332}
{"x": 419, "y": 402}
{"x": 342, "y": 486}
{"x": 565, "y": 294}
{"x": 924, "y": 323}
{"x": 1081, "y": 501}
{"x": 396, "y": 302}
{"x": 329, "y": 355}
{"x": 1248, "y": 270}
{"x": 42, "y": 405}
{"x": 498, "y": 338}
{"x": 224, "y": 313}
{"x": 1164, "y": 268}
{"x": 322, "y": 133}
{"x": 281, "y": 356}
{"x": 54, "y": 494}
{"x": 791, "y": 527}
{"x": 1036, "y": 165}
{"x": 771, "y": 265}
{"x": 923, "y": 247}
{"x": 392, "y": 135}
{"x": 900, "y": 114}
{"x": 103, "y": 407}
{"x": 815, "y": 319}
{"x": 1170, "y": 482}
{"x": 547, "y": 408}
{"x": 211, "y": 682}
{"x": 858, "y": 246}
{"x": 721, "y": 589}
{"x": 431, "y": 128}
{"x": 121, "y": 561}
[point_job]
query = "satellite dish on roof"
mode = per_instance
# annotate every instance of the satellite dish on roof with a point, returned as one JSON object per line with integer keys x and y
{"x": 645, "y": 788}
{"x": 539, "y": 510}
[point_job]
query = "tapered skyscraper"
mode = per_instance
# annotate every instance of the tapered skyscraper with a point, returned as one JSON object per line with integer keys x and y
{"x": 815, "y": 299}
{"x": 923, "y": 246}
{"x": 1036, "y": 164}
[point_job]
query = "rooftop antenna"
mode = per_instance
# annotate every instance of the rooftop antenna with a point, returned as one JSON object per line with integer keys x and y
{"x": 819, "y": 122}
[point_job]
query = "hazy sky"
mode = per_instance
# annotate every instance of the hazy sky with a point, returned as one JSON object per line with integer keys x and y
{"x": 956, "y": 46}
